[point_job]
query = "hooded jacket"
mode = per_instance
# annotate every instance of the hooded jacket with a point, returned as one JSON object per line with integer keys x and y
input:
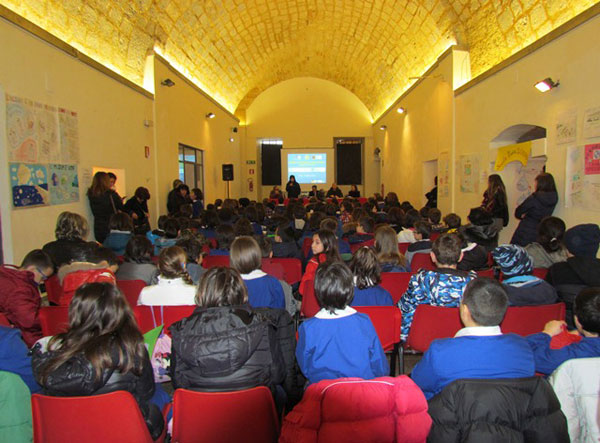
{"x": 225, "y": 349}
{"x": 484, "y": 235}
{"x": 535, "y": 207}
{"x": 507, "y": 410}
{"x": 20, "y": 302}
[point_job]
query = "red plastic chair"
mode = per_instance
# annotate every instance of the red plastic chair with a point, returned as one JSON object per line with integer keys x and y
{"x": 224, "y": 417}
{"x": 131, "y": 290}
{"x": 489, "y": 273}
{"x": 4, "y": 321}
{"x": 54, "y": 319}
{"x": 306, "y": 246}
{"x": 396, "y": 283}
{"x": 273, "y": 269}
{"x": 403, "y": 247}
{"x": 292, "y": 268}
{"x": 212, "y": 261}
{"x": 113, "y": 417}
{"x": 422, "y": 260}
{"x": 310, "y": 305}
{"x": 356, "y": 246}
{"x": 149, "y": 317}
{"x": 54, "y": 290}
{"x": 434, "y": 236}
{"x": 213, "y": 243}
{"x": 540, "y": 273}
{"x": 387, "y": 321}
{"x": 525, "y": 320}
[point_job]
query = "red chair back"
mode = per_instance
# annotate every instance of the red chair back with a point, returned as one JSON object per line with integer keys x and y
{"x": 306, "y": 246}
{"x": 292, "y": 268}
{"x": 489, "y": 273}
{"x": 387, "y": 321}
{"x": 540, "y": 273}
{"x": 113, "y": 417}
{"x": 403, "y": 247}
{"x": 273, "y": 269}
{"x": 356, "y": 246}
{"x": 430, "y": 323}
{"x": 421, "y": 260}
{"x": 525, "y": 320}
{"x": 212, "y": 261}
{"x": 213, "y": 243}
{"x": 434, "y": 236}
{"x": 4, "y": 321}
{"x": 54, "y": 319}
{"x": 225, "y": 417}
{"x": 310, "y": 305}
{"x": 131, "y": 290}
{"x": 396, "y": 283}
{"x": 149, "y": 317}
{"x": 54, "y": 290}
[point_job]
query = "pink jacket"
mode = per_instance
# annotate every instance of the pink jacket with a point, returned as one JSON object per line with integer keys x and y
{"x": 385, "y": 409}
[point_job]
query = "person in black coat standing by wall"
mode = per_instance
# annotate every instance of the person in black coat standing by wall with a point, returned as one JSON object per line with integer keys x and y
{"x": 292, "y": 188}
{"x": 538, "y": 205}
{"x": 495, "y": 201}
{"x": 104, "y": 202}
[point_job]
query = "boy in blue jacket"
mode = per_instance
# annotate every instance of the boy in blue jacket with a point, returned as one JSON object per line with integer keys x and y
{"x": 479, "y": 350}
{"x": 338, "y": 341}
{"x": 587, "y": 321}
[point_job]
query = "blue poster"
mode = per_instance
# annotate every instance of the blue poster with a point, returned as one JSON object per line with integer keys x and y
{"x": 64, "y": 184}
{"x": 29, "y": 184}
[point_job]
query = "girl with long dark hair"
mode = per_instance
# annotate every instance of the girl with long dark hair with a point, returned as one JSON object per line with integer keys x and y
{"x": 104, "y": 202}
{"x": 324, "y": 248}
{"x": 495, "y": 201}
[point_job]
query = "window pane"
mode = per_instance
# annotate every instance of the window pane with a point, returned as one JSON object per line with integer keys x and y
{"x": 181, "y": 172}
{"x": 199, "y": 178}
{"x": 189, "y": 174}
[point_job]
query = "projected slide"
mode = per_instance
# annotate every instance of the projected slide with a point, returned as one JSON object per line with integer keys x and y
{"x": 308, "y": 168}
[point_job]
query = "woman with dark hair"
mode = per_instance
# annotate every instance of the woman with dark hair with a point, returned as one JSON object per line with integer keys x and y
{"x": 538, "y": 205}
{"x": 367, "y": 279}
{"x": 324, "y": 248}
{"x": 292, "y": 188}
{"x": 138, "y": 263}
{"x": 121, "y": 231}
{"x": 102, "y": 351}
{"x": 71, "y": 233}
{"x": 225, "y": 345}
{"x": 495, "y": 201}
{"x": 354, "y": 192}
{"x": 549, "y": 247}
{"x": 104, "y": 202}
{"x": 137, "y": 208}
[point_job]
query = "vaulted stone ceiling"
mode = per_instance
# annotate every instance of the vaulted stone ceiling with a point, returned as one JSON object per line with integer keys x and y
{"x": 235, "y": 49}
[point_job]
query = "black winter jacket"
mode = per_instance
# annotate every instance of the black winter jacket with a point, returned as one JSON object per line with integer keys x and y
{"x": 501, "y": 410}
{"x": 76, "y": 378}
{"x": 63, "y": 252}
{"x": 535, "y": 207}
{"x": 225, "y": 349}
{"x": 102, "y": 208}
{"x": 484, "y": 235}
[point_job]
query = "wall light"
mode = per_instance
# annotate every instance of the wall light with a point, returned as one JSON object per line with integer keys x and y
{"x": 232, "y": 139}
{"x": 401, "y": 110}
{"x": 383, "y": 127}
{"x": 210, "y": 115}
{"x": 167, "y": 82}
{"x": 546, "y": 84}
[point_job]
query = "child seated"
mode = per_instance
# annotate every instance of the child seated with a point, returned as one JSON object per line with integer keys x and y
{"x": 285, "y": 245}
{"x": 324, "y": 247}
{"x": 158, "y": 232}
{"x": 475, "y": 257}
{"x": 194, "y": 256}
{"x": 452, "y": 222}
{"x": 435, "y": 217}
{"x": 367, "y": 277}
{"x": 169, "y": 238}
{"x": 225, "y": 236}
{"x": 264, "y": 291}
{"x": 388, "y": 255}
{"x": 523, "y": 288}
{"x": 338, "y": 341}
{"x": 138, "y": 263}
{"x": 121, "y": 231}
{"x": 422, "y": 242}
{"x": 587, "y": 321}
{"x": 364, "y": 231}
{"x": 479, "y": 350}
{"x": 442, "y": 287}
{"x": 406, "y": 235}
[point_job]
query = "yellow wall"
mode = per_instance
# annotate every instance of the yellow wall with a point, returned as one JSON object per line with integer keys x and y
{"x": 308, "y": 112}
{"x": 508, "y": 98}
{"x": 111, "y": 130}
{"x": 180, "y": 118}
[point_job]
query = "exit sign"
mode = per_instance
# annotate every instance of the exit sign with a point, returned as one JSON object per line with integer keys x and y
{"x": 250, "y": 162}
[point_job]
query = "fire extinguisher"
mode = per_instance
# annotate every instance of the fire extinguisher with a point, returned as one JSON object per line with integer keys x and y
{"x": 250, "y": 185}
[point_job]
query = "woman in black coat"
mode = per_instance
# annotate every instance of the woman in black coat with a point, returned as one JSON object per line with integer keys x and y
{"x": 102, "y": 351}
{"x": 292, "y": 188}
{"x": 538, "y": 205}
{"x": 137, "y": 208}
{"x": 495, "y": 201}
{"x": 104, "y": 202}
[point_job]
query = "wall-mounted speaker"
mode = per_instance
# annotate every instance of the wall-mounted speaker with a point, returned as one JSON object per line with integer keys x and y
{"x": 227, "y": 172}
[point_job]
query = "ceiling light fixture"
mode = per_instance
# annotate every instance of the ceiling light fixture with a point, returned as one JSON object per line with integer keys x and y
{"x": 210, "y": 115}
{"x": 401, "y": 110}
{"x": 383, "y": 127}
{"x": 232, "y": 139}
{"x": 167, "y": 82}
{"x": 546, "y": 84}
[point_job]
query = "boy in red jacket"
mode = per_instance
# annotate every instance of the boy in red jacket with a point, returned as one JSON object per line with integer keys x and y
{"x": 19, "y": 295}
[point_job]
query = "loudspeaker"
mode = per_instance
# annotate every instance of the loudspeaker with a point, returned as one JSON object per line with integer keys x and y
{"x": 227, "y": 172}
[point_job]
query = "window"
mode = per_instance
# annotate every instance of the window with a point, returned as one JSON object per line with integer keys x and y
{"x": 191, "y": 166}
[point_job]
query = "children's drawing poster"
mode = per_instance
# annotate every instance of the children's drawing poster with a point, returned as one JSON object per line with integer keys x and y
{"x": 444, "y": 175}
{"x": 525, "y": 177}
{"x": 566, "y": 127}
{"x": 20, "y": 130}
{"x": 46, "y": 123}
{"x": 592, "y": 159}
{"x": 469, "y": 173}
{"x": 29, "y": 184}
{"x": 591, "y": 123}
{"x": 69, "y": 136}
{"x": 582, "y": 189}
{"x": 64, "y": 183}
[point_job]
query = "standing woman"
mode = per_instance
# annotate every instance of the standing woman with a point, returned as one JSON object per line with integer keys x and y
{"x": 292, "y": 188}
{"x": 538, "y": 205}
{"x": 104, "y": 202}
{"x": 495, "y": 201}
